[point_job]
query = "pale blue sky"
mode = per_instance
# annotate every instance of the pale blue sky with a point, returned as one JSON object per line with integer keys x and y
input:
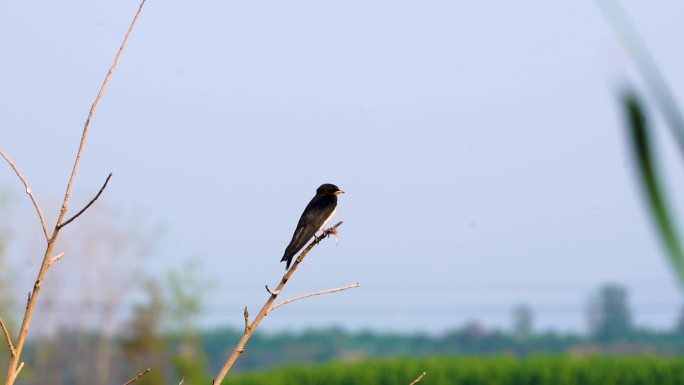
{"x": 480, "y": 145}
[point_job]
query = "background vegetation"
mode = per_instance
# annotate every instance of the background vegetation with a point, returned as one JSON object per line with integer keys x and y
{"x": 481, "y": 371}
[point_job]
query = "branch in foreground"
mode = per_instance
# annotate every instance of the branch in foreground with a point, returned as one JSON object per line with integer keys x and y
{"x": 417, "y": 380}
{"x": 88, "y": 205}
{"x": 315, "y": 293}
{"x": 136, "y": 378}
{"x": 29, "y": 192}
{"x": 13, "y": 368}
{"x": 273, "y": 294}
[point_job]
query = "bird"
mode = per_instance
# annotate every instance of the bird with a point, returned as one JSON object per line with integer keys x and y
{"x": 316, "y": 214}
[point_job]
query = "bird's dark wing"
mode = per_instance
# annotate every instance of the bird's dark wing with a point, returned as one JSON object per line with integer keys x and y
{"x": 315, "y": 213}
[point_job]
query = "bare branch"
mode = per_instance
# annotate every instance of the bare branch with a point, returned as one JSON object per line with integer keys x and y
{"x": 29, "y": 192}
{"x": 240, "y": 347}
{"x": 56, "y": 258}
{"x": 67, "y": 194}
{"x": 136, "y": 378}
{"x": 315, "y": 293}
{"x": 7, "y": 337}
{"x": 13, "y": 367}
{"x": 88, "y": 205}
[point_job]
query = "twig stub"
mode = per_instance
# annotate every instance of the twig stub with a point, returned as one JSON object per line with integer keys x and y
{"x": 418, "y": 378}
{"x": 136, "y": 378}
{"x": 246, "y": 314}
{"x": 56, "y": 258}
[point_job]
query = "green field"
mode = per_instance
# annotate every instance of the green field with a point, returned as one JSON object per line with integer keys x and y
{"x": 479, "y": 371}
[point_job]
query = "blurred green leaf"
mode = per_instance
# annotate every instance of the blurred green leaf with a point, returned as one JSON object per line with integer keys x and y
{"x": 646, "y": 65}
{"x": 640, "y": 137}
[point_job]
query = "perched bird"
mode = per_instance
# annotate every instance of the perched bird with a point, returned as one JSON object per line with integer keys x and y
{"x": 316, "y": 214}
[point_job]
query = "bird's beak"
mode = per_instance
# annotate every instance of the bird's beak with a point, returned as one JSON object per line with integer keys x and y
{"x": 339, "y": 192}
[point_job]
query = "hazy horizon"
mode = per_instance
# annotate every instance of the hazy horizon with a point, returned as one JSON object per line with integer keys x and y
{"x": 480, "y": 146}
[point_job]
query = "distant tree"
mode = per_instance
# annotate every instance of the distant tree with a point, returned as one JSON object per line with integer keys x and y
{"x": 142, "y": 343}
{"x": 162, "y": 333}
{"x": 184, "y": 296}
{"x": 522, "y": 322}
{"x": 609, "y": 317}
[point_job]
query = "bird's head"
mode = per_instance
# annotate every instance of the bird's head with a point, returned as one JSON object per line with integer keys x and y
{"x": 328, "y": 189}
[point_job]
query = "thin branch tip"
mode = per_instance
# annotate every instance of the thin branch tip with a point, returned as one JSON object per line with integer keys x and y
{"x": 61, "y": 225}
{"x": 28, "y": 192}
{"x": 313, "y": 294}
{"x": 6, "y": 332}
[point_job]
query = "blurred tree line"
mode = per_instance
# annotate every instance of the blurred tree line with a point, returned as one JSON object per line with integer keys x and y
{"x": 611, "y": 332}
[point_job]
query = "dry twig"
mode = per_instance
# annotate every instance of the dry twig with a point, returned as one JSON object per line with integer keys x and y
{"x": 88, "y": 205}
{"x": 249, "y": 328}
{"x": 29, "y": 192}
{"x": 14, "y": 367}
{"x": 56, "y": 258}
{"x": 7, "y": 337}
{"x": 136, "y": 378}
{"x": 315, "y": 293}
{"x": 418, "y": 379}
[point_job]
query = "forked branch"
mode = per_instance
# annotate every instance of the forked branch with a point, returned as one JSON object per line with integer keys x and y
{"x": 15, "y": 366}
{"x": 268, "y": 306}
{"x": 15, "y": 373}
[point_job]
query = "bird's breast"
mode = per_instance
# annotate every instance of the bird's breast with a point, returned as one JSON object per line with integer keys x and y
{"x": 327, "y": 219}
